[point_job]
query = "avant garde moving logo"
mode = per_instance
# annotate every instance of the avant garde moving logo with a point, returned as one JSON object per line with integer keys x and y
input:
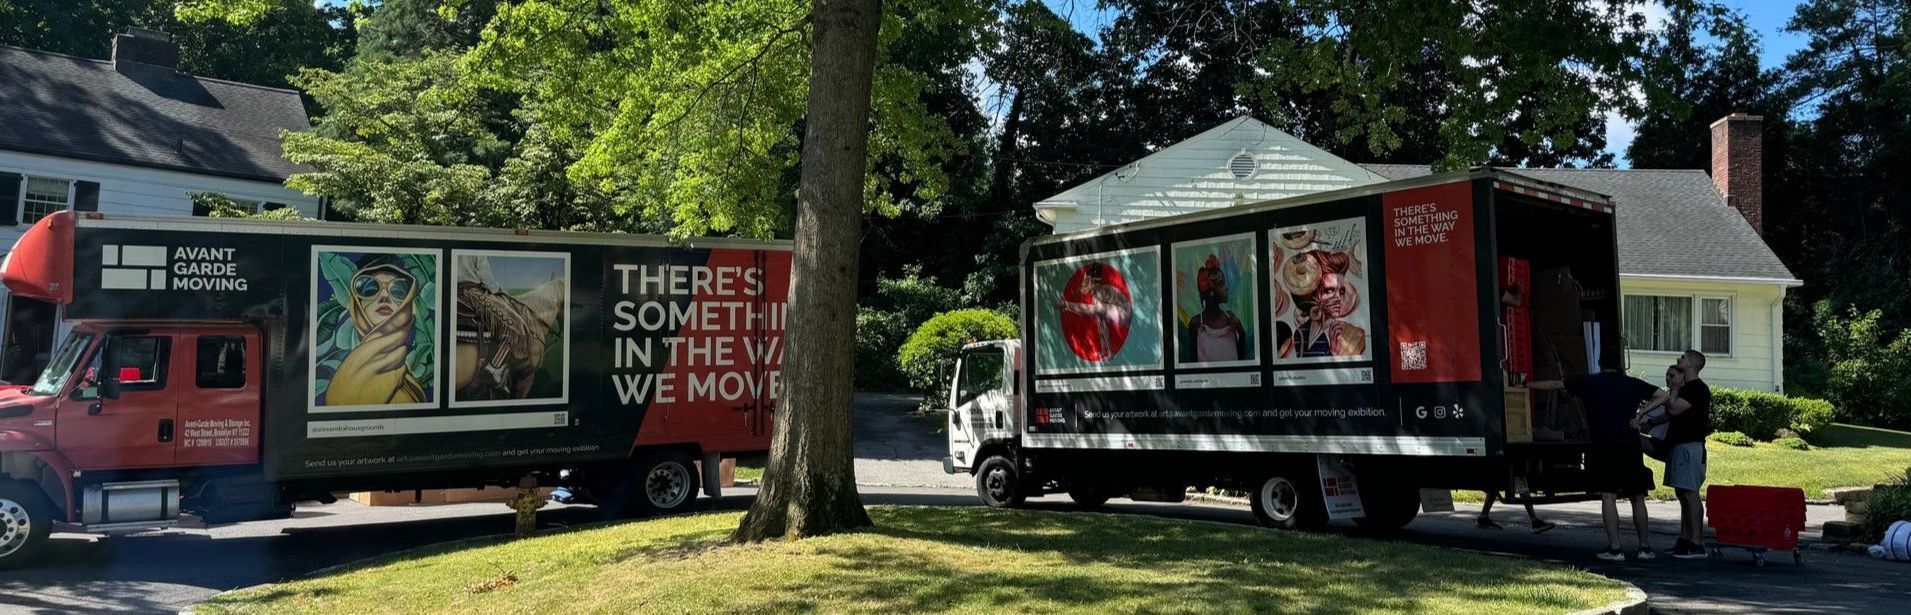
{"x": 131, "y": 267}
{"x": 1097, "y": 308}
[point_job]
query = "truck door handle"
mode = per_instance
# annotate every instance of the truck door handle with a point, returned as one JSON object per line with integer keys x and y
{"x": 165, "y": 430}
{"x": 96, "y": 408}
{"x": 998, "y": 419}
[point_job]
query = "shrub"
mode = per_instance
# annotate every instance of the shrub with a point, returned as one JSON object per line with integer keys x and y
{"x": 929, "y": 355}
{"x": 1731, "y": 438}
{"x": 899, "y": 306}
{"x": 1868, "y": 366}
{"x": 1762, "y": 415}
{"x": 1888, "y": 504}
{"x": 1794, "y": 443}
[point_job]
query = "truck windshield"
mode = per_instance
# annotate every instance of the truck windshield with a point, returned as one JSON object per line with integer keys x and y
{"x": 60, "y": 368}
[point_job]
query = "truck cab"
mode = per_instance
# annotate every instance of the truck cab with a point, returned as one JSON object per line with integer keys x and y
{"x": 984, "y": 403}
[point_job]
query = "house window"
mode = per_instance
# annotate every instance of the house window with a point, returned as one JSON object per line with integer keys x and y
{"x": 43, "y": 196}
{"x": 1662, "y": 323}
{"x": 1657, "y": 323}
{"x": 1715, "y": 326}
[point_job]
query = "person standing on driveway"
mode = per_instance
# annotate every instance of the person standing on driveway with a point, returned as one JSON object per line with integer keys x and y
{"x": 1615, "y": 462}
{"x": 1689, "y": 421}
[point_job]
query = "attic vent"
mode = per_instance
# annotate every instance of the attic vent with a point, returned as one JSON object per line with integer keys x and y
{"x": 1242, "y": 166}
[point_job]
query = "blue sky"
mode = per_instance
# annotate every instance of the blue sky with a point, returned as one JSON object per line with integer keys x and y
{"x": 1766, "y": 17}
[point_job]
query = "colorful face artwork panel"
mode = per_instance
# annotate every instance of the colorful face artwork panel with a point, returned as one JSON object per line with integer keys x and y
{"x": 374, "y": 328}
{"x": 1214, "y": 294}
{"x": 511, "y": 341}
{"x": 1320, "y": 292}
{"x": 1100, "y": 312}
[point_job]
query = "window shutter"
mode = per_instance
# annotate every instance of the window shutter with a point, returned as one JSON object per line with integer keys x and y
{"x": 86, "y": 196}
{"x": 9, "y": 199}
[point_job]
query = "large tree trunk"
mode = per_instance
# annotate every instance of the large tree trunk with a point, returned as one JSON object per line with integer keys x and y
{"x": 810, "y": 486}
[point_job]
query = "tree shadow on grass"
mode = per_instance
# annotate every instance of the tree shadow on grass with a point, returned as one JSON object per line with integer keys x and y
{"x": 1122, "y": 564}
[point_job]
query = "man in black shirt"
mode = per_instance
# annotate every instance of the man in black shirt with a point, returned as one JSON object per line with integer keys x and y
{"x": 1689, "y": 413}
{"x": 1615, "y": 461}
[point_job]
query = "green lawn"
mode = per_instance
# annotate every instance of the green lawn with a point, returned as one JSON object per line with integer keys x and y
{"x": 1843, "y": 456}
{"x": 964, "y": 560}
{"x": 751, "y": 470}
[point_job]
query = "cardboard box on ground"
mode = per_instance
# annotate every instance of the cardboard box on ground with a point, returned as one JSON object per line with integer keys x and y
{"x": 726, "y": 476}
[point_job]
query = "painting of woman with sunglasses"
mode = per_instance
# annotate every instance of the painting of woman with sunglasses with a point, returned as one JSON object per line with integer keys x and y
{"x": 375, "y": 337}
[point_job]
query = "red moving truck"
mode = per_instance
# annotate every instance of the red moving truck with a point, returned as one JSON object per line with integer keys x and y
{"x": 1331, "y": 354}
{"x": 228, "y": 369}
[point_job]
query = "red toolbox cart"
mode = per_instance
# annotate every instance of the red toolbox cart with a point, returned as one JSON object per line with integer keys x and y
{"x": 1757, "y": 519}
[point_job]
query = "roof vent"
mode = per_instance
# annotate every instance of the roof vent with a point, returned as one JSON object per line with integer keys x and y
{"x": 1242, "y": 166}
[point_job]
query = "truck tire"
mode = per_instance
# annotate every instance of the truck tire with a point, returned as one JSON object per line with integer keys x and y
{"x": 663, "y": 483}
{"x": 25, "y": 521}
{"x": 1089, "y": 496}
{"x": 1283, "y": 503}
{"x": 1388, "y": 507}
{"x": 999, "y": 483}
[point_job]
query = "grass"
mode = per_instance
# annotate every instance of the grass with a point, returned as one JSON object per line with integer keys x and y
{"x": 1841, "y": 456}
{"x": 961, "y": 560}
{"x": 750, "y": 469}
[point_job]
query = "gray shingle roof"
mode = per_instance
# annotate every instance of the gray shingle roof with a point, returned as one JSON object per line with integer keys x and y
{"x": 143, "y": 115}
{"x": 1671, "y": 222}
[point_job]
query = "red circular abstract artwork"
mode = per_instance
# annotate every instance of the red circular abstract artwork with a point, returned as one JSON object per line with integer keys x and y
{"x": 1096, "y": 308}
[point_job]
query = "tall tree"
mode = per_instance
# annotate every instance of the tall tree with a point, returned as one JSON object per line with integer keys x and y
{"x": 1841, "y": 213}
{"x": 409, "y": 28}
{"x": 1704, "y": 66}
{"x": 261, "y": 42}
{"x": 810, "y": 487}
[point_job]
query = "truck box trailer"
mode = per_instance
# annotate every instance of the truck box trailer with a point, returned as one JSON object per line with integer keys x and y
{"x": 229, "y": 368}
{"x": 1331, "y": 354}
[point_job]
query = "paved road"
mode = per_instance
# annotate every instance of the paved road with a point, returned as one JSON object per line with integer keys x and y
{"x": 897, "y": 449}
{"x": 167, "y": 571}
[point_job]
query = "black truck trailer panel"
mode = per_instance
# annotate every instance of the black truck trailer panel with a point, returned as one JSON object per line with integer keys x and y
{"x": 395, "y": 349}
{"x": 1358, "y": 321}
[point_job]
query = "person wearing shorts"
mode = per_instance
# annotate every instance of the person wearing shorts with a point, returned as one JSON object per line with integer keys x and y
{"x": 1614, "y": 463}
{"x": 1689, "y": 421}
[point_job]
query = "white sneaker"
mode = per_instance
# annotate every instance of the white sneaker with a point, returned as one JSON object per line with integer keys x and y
{"x": 1612, "y": 555}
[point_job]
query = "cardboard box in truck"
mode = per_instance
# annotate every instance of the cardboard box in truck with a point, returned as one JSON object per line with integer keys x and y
{"x": 1354, "y": 338}
{"x": 229, "y": 368}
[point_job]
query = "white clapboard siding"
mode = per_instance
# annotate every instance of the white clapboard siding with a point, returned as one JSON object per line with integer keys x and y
{"x": 145, "y": 191}
{"x": 1198, "y": 174}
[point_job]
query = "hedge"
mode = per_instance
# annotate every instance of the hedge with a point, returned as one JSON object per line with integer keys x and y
{"x": 928, "y": 357}
{"x": 1760, "y": 414}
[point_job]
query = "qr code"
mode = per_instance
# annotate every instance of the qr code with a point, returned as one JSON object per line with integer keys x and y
{"x": 1413, "y": 355}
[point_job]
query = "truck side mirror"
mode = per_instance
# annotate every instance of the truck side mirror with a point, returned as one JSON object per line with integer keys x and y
{"x": 109, "y": 369}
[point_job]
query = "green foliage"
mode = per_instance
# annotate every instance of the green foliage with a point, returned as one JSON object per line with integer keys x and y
{"x": 1868, "y": 366}
{"x": 403, "y": 142}
{"x": 221, "y": 206}
{"x": 1763, "y": 415}
{"x": 688, "y": 113}
{"x": 1794, "y": 443}
{"x": 929, "y": 354}
{"x": 900, "y": 306}
{"x": 1889, "y": 503}
{"x": 261, "y": 42}
{"x": 1732, "y": 438}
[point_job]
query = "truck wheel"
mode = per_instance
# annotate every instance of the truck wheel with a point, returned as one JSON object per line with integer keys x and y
{"x": 1088, "y": 496}
{"x": 999, "y": 483}
{"x": 25, "y": 521}
{"x": 1388, "y": 507}
{"x": 666, "y": 482}
{"x": 1282, "y": 503}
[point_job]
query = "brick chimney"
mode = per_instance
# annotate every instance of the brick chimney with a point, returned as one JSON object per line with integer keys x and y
{"x": 1738, "y": 166}
{"x": 144, "y": 46}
